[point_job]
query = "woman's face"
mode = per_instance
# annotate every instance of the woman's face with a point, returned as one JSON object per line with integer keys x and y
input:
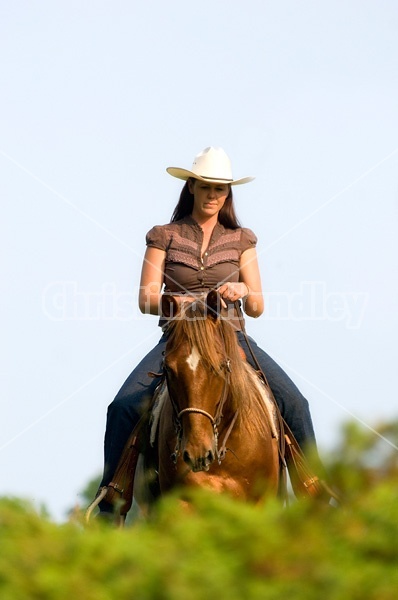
{"x": 209, "y": 198}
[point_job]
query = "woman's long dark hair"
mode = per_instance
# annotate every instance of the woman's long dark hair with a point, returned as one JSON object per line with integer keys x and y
{"x": 227, "y": 216}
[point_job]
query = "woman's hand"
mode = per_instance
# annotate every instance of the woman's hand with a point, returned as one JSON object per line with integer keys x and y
{"x": 233, "y": 290}
{"x": 253, "y": 302}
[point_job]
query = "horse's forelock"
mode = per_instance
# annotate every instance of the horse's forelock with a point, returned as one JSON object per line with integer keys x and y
{"x": 193, "y": 326}
{"x": 215, "y": 340}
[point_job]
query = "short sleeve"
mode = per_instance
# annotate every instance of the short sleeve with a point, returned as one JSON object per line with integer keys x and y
{"x": 247, "y": 240}
{"x": 156, "y": 238}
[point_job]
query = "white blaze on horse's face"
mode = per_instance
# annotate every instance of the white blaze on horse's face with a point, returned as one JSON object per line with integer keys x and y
{"x": 193, "y": 359}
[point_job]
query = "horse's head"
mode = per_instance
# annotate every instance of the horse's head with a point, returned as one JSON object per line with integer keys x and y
{"x": 196, "y": 367}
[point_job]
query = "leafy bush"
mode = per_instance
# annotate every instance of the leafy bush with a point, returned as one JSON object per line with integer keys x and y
{"x": 217, "y": 548}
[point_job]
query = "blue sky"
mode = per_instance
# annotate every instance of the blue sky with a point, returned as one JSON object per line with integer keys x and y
{"x": 98, "y": 99}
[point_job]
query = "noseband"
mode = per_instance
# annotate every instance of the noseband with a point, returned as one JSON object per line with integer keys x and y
{"x": 215, "y": 421}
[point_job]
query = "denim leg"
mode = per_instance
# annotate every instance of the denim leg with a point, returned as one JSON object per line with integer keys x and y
{"x": 125, "y": 410}
{"x": 292, "y": 404}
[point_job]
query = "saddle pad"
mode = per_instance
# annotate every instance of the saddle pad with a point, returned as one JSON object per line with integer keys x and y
{"x": 269, "y": 403}
{"x": 159, "y": 401}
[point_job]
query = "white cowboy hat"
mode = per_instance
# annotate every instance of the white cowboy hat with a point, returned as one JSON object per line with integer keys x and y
{"x": 211, "y": 165}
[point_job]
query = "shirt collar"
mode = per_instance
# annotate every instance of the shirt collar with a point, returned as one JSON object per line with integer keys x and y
{"x": 217, "y": 231}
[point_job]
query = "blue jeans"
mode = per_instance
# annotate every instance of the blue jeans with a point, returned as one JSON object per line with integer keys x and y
{"x": 125, "y": 411}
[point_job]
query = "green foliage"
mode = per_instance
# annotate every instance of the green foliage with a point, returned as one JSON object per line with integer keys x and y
{"x": 364, "y": 457}
{"x": 219, "y": 548}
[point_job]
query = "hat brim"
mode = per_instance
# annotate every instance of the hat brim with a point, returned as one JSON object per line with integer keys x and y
{"x": 185, "y": 174}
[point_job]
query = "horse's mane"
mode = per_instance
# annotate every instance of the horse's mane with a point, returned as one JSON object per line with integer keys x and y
{"x": 215, "y": 340}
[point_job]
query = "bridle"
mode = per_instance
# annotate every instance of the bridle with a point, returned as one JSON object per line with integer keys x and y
{"x": 215, "y": 421}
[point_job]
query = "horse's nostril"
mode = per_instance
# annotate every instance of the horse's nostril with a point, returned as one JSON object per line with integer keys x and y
{"x": 185, "y": 456}
{"x": 210, "y": 457}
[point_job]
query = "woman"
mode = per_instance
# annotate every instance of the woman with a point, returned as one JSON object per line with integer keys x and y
{"x": 202, "y": 248}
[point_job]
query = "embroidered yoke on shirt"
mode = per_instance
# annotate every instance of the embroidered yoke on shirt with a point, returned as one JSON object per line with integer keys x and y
{"x": 186, "y": 270}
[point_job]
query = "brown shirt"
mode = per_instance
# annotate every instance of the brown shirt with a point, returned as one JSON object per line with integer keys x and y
{"x": 186, "y": 270}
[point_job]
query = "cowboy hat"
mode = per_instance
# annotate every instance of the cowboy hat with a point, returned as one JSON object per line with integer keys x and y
{"x": 211, "y": 165}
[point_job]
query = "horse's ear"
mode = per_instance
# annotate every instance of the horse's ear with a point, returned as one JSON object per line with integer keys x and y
{"x": 170, "y": 307}
{"x": 214, "y": 303}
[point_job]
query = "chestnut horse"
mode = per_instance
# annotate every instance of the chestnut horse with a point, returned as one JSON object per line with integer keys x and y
{"x": 216, "y": 424}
